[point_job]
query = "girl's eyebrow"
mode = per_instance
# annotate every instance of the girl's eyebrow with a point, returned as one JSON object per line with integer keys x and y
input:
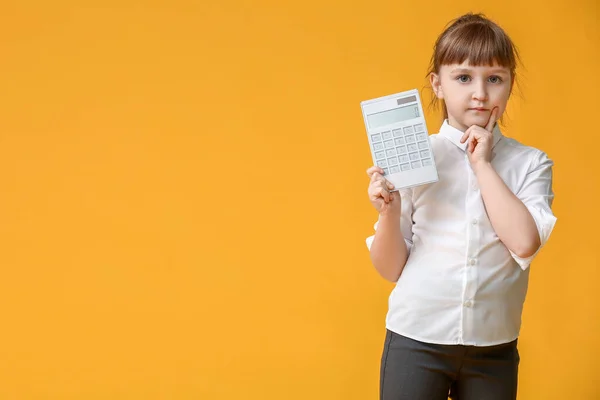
{"x": 467, "y": 70}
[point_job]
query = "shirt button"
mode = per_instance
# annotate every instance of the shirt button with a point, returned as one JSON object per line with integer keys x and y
{"x": 474, "y": 222}
{"x": 472, "y": 261}
{"x": 474, "y": 187}
{"x": 468, "y": 303}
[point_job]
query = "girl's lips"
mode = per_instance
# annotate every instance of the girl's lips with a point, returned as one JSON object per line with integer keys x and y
{"x": 479, "y": 109}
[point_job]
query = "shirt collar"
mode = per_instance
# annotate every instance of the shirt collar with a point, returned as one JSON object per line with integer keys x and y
{"x": 454, "y": 135}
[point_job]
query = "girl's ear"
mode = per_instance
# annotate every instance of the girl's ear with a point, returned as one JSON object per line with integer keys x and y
{"x": 434, "y": 79}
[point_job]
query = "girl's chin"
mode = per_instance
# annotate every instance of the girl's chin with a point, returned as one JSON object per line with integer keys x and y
{"x": 476, "y": 120}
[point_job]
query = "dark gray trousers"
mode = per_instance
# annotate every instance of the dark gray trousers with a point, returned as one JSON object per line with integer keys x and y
{"x": 414, "y": 370}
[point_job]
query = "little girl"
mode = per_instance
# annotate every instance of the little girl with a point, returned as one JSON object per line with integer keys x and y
{"x": 459, "y": 249}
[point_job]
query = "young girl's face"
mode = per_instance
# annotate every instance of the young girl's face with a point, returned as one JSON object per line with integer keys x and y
{"x": 471, "y": 92}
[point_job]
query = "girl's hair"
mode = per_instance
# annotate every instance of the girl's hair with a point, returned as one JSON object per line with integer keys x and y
{"x": 475, "y": 38}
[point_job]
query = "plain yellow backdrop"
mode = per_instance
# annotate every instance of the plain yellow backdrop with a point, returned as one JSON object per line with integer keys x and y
{"x": 183, "y": 205}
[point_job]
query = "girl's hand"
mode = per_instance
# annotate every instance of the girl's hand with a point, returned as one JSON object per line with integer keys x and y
{"x": 479, "y": 141}
{"x": 380, "y": 195}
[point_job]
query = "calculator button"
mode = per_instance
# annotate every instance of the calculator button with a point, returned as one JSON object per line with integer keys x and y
{"x": 424, "y": 153}
{"x": 401, "y": 149}
{"x": 397, "y": 132}
{"x": 421, "y": 136}
{"x": 394, "y": 169}
{"x": 415, "y": 164}
{"x": 377, "y": 146}
{"x": 388, "y": 143}
{"x": 419, "y": 128}
{"x": 387, "y": 135}
{"x": 376, "y": 137}
{"x": 399, "y": 141}
{"x": 403, "y": 158}
{"x": 379, "y": 155}
{"x": 405, "y": 167}
{"x": 408, "y": 130}
{"x": 414, "y": 156}
{"x": 392, "y": 161}
{"x": 410, "y": 139}
{"x": 412, "y": 147}
{"x": 390, "y": 152}
{"x": 426, "y": 162}
{"x": 382, "y": 163}
{"x": 422, "y": 145}
{"x": 386, "y": 171}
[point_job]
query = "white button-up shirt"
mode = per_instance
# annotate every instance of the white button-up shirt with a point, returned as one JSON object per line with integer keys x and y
{"x": 461, "y": 284}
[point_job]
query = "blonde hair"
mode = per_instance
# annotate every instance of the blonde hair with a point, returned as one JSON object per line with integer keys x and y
{"x": 475, "y": 38}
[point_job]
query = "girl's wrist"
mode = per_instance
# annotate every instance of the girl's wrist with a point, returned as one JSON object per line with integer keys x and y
{"x": 482, "y": 167}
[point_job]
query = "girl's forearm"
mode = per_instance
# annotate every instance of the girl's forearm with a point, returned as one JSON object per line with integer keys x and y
{"x": 388, "y": 249}
{"x": 511, "y": 220}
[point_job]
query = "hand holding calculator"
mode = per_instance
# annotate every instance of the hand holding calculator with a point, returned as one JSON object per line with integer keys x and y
{"x": 398, "y": 139}
{"x": 382, "y": 194}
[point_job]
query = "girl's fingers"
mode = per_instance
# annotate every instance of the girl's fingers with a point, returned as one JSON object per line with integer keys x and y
{"x": 376, "y": 177}
{"x": 374, "y": 169}
{"x": 465, "y": 135}
{"x": 385, "y": 194}
{"x": 379, "y": 187}
{"x": 492, "y": 121}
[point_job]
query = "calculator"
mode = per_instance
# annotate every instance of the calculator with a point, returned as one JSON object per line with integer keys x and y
{"x": 398, "y": 139}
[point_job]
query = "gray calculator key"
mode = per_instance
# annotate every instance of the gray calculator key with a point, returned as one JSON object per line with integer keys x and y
{"x": 394, "y": 169}
{"x": 421, "y": 136}
{"x": 386, "y": 171}
{"x": 424, "y": 153}
{"x": 410, "y": 138}
{"x": 403, "y": 158}
{"x": 401, "y": 149}
{"x": 397, "y": 132}
{"x": 414, "y": 156}
{"x": 412, "y": 147}
{"x": 408, "y": 129}
{"x": 419, "y": 128}
{"x": 390, "y": 152}
{"x": 379, "y": 155}
{"x": 405, "y": 167}
{"x": 393, "y": 161}
{"x": 377, "y": 146}
{"x": 426, "y": 162}
{"x": 376, "y": 137}
{"x": 382, "y": 163}
{"x": 388, "y": 143}
{"x": 415, "y": 164}
{"x": 422, "y": 145}
{"x": 399, "y": 141}
{"x": 387, "y": 135}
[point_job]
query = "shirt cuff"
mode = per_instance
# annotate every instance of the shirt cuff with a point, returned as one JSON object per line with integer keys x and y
{"x": 545, "y": 222}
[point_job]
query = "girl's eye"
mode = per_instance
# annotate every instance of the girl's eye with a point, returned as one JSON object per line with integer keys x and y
{"x": 463, "y": 78}
{"x": 495, "y": 79}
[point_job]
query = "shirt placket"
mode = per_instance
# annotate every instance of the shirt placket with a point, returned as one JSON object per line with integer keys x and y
{"x": 473, "y": 212}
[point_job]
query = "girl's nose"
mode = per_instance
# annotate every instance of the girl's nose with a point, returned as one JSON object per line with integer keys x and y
{"x": 480, "y": 92}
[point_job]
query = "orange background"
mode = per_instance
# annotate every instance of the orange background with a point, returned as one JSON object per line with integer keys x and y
{"x": 183, "y": 205}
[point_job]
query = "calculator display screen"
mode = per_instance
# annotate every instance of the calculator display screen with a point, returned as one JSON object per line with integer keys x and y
{"x": 392, "y": 116}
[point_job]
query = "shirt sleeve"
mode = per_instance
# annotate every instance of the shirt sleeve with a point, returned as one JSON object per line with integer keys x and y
{"x": 537, "y": 195}
{"x": 405, "y": 220}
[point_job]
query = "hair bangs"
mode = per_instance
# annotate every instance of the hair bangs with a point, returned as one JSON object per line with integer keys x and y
{"x": 478, "y": 44}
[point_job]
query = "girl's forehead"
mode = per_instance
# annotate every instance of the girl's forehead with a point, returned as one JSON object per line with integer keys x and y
{"x": 494, "y": 65}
